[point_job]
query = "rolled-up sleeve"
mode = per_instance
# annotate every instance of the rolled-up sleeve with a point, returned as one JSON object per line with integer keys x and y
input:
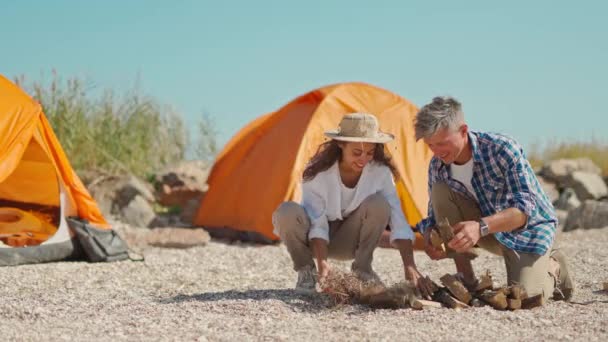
{"x": 520, "y": 188}
{"x": 315, "y": 206}
{"x": 400, "y": 229}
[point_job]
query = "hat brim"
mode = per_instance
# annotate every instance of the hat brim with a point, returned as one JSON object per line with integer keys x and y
{"x": 381, "y": 138}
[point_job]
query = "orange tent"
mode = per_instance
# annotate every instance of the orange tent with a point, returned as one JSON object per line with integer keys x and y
{"x": 38, "y": 187}
{"x": 262, "y": 165}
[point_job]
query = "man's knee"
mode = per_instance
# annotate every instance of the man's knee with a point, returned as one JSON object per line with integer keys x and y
{"x": 440, "y": 192}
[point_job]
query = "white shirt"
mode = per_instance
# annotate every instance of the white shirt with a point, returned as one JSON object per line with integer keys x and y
{"x": 324, "y": 202}
{"x": 464, "y": 174}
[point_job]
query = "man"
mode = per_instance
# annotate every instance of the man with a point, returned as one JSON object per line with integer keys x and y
{"x": 485, "y": 187}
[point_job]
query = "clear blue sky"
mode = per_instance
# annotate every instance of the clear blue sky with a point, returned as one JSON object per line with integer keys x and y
{"x": 537, "y": 70}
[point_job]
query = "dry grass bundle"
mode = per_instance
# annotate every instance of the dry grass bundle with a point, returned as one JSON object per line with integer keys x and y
{"x": 345, "y": 288}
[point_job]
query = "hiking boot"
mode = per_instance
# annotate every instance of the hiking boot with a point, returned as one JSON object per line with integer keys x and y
{"x": 564, "y": 282}
{"x": 307, "y": 280}
{"x": 368, "y": 277}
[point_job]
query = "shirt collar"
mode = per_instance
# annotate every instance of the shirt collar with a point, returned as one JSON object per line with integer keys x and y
{"x": 473, "y": 141}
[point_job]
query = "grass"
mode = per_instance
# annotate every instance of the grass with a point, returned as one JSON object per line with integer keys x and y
{"x": 128, "y": 132}
{"x": 596, "y": 150}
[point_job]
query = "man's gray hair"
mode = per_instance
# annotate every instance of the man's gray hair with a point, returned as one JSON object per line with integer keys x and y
{"x": 442, "y": 112}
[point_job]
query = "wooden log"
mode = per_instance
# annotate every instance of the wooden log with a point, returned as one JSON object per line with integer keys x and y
{"x": 456, "y": 288}
{"x": 518, "y": 292}
{"x": 532, "y": 302}
{"x": 606, "y": 286}
{"x": 444, "y": 297}
{"x": 436, "y": 240}
{"x": 496, "y": 299}
{"x": 445, "y": 230}
{"x": 485, "y": 283}
{"x": 513, "y": 304}
{"x": 421, "y": 304}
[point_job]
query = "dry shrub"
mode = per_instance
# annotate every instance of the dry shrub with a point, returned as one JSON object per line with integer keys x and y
{"x": 345, "y": 288}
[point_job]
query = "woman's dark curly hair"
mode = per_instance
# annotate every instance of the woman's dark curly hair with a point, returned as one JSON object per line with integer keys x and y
{"x": 329, "y": 152}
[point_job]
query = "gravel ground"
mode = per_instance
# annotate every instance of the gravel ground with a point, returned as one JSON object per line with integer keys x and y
{"x": 243, "y": 292}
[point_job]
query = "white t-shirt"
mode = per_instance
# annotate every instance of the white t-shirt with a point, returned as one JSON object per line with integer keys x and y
{"x": 464, "y": 174}
{"x": 348, "y": 194}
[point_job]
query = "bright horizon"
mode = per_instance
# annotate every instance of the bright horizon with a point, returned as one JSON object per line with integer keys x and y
{"x": 537, "y": 72}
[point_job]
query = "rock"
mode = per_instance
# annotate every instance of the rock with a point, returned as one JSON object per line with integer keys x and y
{"x": 169, "y": 220}
{"x": 179, "y": 184}
{"x": 591, "y": 214}
{"x": 138, "y": 212}
{"x": 190, "y": 209}
{"x": 559, "y": 170}
{"x": 587, "y": 185}
{"x": 177, "y": 237}
{"x": 562, "y": 216}
{"x": 550, "y": 189}
{"x": 567, "y": 200}
{"x": 113, "y": 193}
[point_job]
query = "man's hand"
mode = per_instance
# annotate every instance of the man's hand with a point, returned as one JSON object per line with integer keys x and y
{"x": 422, "y": 283}
{"x": 466, "y": 235}
{"x": 432, "y": 251}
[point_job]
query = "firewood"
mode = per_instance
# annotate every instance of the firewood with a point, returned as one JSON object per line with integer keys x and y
{"x": 421, "y": 304}
{"x": 445, "y": 230}
{"x": 436, "y": 240}
{"x": 485, "y": 282}
{"x": 444, "y": 297}
{"x": 456, "y": 288}
{"x": 496, "y": 299}
{"x": 446, "y": 234}
{"x": 518, "y": 292}
{"x": 532, "y": 302}
{"x": 505, "y": 290}
{"x": 514, "y": 304}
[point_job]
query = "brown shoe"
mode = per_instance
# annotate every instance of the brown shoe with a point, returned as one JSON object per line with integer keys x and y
{"x": 564, "y": 282}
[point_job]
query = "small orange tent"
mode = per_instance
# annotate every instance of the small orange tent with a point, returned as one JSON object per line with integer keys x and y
{"x": 38, "y": 187}
{"x": 262, "y": 165}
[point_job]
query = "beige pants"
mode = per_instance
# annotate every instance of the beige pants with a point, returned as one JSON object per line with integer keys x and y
{"x": 354, "y": 238}
{"x": 527, "y": 269}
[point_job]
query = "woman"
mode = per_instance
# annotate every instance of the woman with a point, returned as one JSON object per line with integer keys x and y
{"x": 348, "y": 199}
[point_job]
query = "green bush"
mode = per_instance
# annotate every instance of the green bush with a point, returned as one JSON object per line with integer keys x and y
{"x": 128, "y": 132}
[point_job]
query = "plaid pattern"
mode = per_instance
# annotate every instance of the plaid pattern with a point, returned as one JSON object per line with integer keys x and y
{"x": 502, "y": 178}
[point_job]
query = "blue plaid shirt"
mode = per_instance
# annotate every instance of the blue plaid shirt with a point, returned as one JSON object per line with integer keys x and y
{"x": 502, "y": 178}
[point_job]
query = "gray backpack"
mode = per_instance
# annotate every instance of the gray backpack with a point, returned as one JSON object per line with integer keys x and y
{"x": 98, "y": 245}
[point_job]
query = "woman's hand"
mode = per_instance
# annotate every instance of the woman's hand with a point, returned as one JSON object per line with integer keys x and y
{"x": 324, "y": 270}
{"x": 422, "y": 283}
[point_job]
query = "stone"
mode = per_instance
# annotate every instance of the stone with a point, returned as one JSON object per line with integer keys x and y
{"x": 181, "y": 183}
{"x": 567, "y": 200}
{"x": 591, "y": 214}
{"x": 177, "y": 237}
{"x": 587, "y": 185}
{"x": 114, "y": 193}
{"x": 138, "y": 212}
{"x": 550, "y": 189}
{"x": 562, "y": 217}
{"x": 558, "y": 170}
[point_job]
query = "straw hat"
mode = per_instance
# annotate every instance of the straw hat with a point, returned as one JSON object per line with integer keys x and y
{"x": 359, "y": 127}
